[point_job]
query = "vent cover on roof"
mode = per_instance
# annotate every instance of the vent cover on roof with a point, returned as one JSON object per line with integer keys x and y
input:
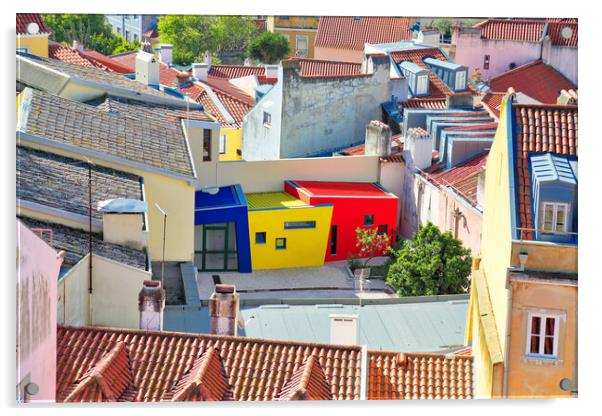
{"x": 566, "y": 32}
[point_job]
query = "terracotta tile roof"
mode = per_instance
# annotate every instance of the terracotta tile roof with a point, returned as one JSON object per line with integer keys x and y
{"x": 512, "y": 29}
{"x": 107, "y": 380}
{"x": 427, "y": 103}
{"x": 492, "y": 102}
{"x": 236, "y": 107}
{"x": 437, "y": 88}
{"x": 156, "y": 142}
{"x": 164, "y": 361}
{"x": 74, "y": 241}
{"x": 235, "y": 71}
{"x": 348, "y": 33}
{"x": 537, "y": 80}
{"x": 555, "y": 33}
{"x": 167, "y": 76}
{"x": 84, "y": 58}
{"x": 308, "y": 382}
{"x": 398, "y": 376}
{"x": 463, "y": 177}
{"x": 316, "y": 68}
{"x": 24, "y": 19}
{"x": 62, "y": 183}
{"x": 227, "y": 87}
{"x": 540, "y": 128}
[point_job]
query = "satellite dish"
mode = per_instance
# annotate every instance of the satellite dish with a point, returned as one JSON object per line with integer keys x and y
{"x": 566, "y": 32}
{"x": 33, "y": 28}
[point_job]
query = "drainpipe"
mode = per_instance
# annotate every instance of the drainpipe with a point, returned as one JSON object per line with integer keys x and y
{"x": 543, "y": 37}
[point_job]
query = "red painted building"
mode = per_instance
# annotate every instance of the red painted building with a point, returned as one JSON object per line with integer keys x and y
{"x": 356, "y": 204}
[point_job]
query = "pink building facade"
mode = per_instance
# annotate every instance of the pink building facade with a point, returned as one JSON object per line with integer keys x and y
{"x": 38, "y": 267}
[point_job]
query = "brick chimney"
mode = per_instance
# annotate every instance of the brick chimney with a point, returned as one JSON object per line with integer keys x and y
{"x": 151, "y": 302}
{"x": 378, "y": 139}
{"x": 223, "y": 310}
{"x": 200, "y": 71}
{"x": 165, "y": 53}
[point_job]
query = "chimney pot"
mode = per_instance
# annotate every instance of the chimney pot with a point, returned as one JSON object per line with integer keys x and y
{"x": 378, "y": 139}
{"x": 151, "y": 302}
{"x": 200, "y": 71}
{"x": 222, "y": 288}
{"x": 165, "y": 53}
{"x": 223, "y": 310}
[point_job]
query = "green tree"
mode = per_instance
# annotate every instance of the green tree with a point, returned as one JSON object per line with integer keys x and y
{"x": 269, "y": 47}
{"x": 89, "y": 29}
{"x": 443, "y": 25}
{"x": 191, "y": 36}
{"x": 432, "y": 263}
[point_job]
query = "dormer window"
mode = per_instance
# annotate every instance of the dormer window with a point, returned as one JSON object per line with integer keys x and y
{"x": 422, "y": 85}
{"x": 460, "y": 80}
{"x": 555, "y": 217}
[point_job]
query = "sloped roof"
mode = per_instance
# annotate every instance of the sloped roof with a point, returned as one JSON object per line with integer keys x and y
{"x": 157, "y": 143}
{"x": 463, "y": 177}
{"x": 395, "y": 376}
{"x": 512, "y": 29}
{"x": 316, "y": 68}
{"x": 426, "y": 103}
{"x": 256, "y": 369}
{"x": 346, "y": 32}
{"x": 308, "y": 382}
{"x": 24, "y": 19}
{"x": 167, "y": 76}
{"x": 537, "y": 80}
{"x": 493, "y": 101}
{"x": 74, "y": 241}
{"x": 235, "y": 71}
{"x": 555, "y": 32}
{"x": 87, "y": 58}
{"x": 540, "y": 128}
{"x": 62, "y": 183}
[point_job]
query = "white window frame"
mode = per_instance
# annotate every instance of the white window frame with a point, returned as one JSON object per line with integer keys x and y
{"x": 555, "y": 206}
{"x": 222, "y": 144}
{"x": 306, "y": 50}
{"x": 422, "y": 82}
{"x": 460, "y": 80}
{"x": 542, "y": 330}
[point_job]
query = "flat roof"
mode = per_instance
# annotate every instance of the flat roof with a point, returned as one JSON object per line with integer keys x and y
{"x": 273, "y": 200}
{"x": 342, "y": 189}
{"x": 405, "y": 326}
{"x": 227, "y": 196}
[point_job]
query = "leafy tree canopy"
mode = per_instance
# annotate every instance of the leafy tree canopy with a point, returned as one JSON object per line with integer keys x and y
{"x": 89, "y": 29}
{"x": 432, "y": 263}
{"x": 443, "y": 25}
{"x": 269, "y": 47}
{"x": 191, "y": 36}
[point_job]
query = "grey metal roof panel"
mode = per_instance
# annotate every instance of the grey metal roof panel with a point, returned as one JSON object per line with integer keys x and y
{"x": 62, "y": 183}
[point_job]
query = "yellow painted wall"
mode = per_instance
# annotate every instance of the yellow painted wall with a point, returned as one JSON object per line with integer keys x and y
{"x": 115, "y": 295}
{"x": 73, "y": 300}
{"x": 38, "y": 45}
{"x": 124, "y": 229}
{"x": 496, "y": 242}
{"x": 176, "y": 196}
{"x": 293, "y": 26}
{"x": 304, "y": 247}
{"x": 541, "y": 378}
{"x": 233, "y": 143}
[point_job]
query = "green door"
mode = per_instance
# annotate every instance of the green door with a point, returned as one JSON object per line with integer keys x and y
{"x": 216, "y": 247}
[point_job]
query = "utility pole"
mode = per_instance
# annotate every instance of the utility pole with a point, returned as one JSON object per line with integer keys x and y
{"x": 90, "y": 226}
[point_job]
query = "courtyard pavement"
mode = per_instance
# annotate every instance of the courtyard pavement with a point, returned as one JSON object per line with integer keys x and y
{"x": 329, "y": 281}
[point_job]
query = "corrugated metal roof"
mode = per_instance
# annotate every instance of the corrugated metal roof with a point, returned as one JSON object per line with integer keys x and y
{"x": 267, "y": 200}
{"x": 426, "y": 326}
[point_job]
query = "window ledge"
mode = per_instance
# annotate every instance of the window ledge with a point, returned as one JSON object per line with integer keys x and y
{"x": 267, "y": 126}
{"x": 542, "y": 360}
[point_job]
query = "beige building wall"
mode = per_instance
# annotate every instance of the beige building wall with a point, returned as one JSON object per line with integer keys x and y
{"x": 124, "y": 229}
{"x": 73, "y": 298}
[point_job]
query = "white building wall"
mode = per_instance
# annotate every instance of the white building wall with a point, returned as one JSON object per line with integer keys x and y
{"x": 563, "y": 58}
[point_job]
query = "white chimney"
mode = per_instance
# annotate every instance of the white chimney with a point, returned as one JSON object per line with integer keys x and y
{"x": 77, "y": 45}
{"x": 223, "y": 310}
{"x": 418, "y": 148}
{"x": 151, "y": 302}
{"x": 271, "y": 71}
{"x": 123, "y": 222}
{"x": 569, "y": 97}
{"x": 201, "y": 71}
{"x": 165, "y": 53}
{"x": 344, "y": 329}
{"x": 247, "y": 62}
{"x": 147, "y": 69}
{"x": 378, "y": 139}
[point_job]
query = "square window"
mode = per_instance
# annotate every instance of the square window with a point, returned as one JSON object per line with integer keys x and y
{"x": 260, "y": 237}
{"x": 280, "y": 243}
{"x": 555, "y": 217}
{"x": 368, "y": 220}
{"x": 542, "y": 336}
{"x": 383, "y": 229}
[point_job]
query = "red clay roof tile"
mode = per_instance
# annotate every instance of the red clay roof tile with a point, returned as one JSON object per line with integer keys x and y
{"x": 24, "y": 19}
{"x": 537, "y": 80}
{"x": 426, "y": 103}
{"x": 555, "y": 32}
{"x": 345, "y": 32}
{"x": 84, "y": 58}
{"x": 316, "y": 68}
{"x": 512, "y": 29}
{"x": 492, "y": 102}
{"x": 308, "y": 382}
{"x": 540, "y": 128}
{"x": 397, "y": 376}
